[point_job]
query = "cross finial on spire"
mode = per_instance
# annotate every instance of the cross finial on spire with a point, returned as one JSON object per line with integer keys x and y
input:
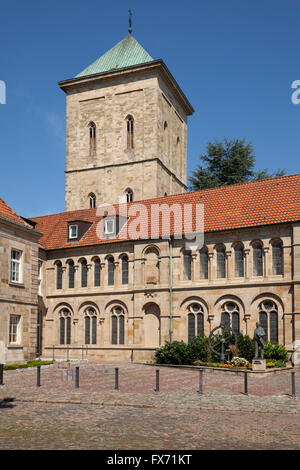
{"x": 130, "y": 26}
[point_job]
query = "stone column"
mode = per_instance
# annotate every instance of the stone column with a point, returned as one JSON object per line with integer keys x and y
{"x": 228, "y": 265}
{"x": 267, "y": 265}
{"x": 211, "y": 268}
{"x": 247, "y": 263}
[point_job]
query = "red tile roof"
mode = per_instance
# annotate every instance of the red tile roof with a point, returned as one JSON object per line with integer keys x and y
{"x": 269, "y": 201}
{"x": 7, "y": 213}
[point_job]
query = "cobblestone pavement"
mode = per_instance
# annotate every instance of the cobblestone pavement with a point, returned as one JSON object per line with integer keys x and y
{"x": 59, "y": 416}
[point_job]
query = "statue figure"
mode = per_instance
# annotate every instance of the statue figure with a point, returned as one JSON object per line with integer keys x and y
{"x": 259, "y": 341}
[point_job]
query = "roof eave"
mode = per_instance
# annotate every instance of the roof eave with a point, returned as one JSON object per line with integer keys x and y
{"x": 67, "y": 85}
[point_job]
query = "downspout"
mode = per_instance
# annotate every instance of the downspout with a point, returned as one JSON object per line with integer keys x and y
{"x": 171, "y": 287}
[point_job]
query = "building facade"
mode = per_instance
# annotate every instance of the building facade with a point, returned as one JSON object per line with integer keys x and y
{"x": 108, "y": 288}
{"x": 19, "y": 287}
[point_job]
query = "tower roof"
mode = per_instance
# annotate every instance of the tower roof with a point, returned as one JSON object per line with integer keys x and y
{"x": 126, "y": 53}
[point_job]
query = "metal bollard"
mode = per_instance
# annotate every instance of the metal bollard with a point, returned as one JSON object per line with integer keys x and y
{"x": 293, "y": 384}
{"x": 200, "y": 382}
{"x": 38, "y": 376}
{"x": 1, "y": 374}
{"x": 157, "y": 381}
{"x": 245, "y": 383}
{"x": 77, "y": 377}
{"x": 116, "y": 378}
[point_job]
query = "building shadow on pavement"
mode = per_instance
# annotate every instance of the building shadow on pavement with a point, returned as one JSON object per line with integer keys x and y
{"x": 7, "y": 402}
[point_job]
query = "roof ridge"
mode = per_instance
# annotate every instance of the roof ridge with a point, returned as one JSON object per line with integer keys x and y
{"x": 188, "y": 193}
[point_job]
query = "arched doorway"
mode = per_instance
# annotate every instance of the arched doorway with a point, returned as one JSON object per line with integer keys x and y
{"x": 152, "y": 325}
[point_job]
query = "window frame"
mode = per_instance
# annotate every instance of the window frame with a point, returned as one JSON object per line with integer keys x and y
{"x": 106, "y": 222}
{"x": 70, "y": 231}
{"x": 16, "y": 333}
{"x": 17, "y": 263}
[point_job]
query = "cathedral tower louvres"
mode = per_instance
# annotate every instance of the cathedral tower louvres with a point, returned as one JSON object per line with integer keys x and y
{"x": 126, "y": 133}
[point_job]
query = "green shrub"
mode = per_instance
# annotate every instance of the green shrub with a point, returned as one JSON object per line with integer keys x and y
{"x": 245, "y": 347}
{"x": 275, "y": 351}
{"x": 175, "y": 353}
{"x": 28, "y": 364}
{"x": 198, "y": 348}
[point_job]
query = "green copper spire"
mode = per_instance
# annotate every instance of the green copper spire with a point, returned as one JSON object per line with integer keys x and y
{"x": 124, "y": 54}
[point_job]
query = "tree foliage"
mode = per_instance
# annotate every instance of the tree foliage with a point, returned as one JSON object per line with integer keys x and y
{"x": 227, "y": 162}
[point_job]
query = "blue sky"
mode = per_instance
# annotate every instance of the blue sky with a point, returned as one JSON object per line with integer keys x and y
{"x": 234, "y": 59}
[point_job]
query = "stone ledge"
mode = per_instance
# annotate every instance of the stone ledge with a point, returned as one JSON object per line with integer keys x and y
{"x": 220, "y": 369}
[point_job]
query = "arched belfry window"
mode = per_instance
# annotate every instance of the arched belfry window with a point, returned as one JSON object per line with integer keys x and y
{"x": 92, "y": 129}
{"x": 129, "y": 195}
{"x": 166, "y": 139}
{"x": 92, "y": 201}
{"x": 130, "y": 131}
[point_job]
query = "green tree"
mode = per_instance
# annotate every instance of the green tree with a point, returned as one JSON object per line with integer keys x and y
{"x": 227, "y": 162}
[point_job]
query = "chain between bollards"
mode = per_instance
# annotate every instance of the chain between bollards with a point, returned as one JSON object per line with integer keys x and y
{"x": 157, "y": 381}
{"x": 38, "y": 376}
{"x": 293, "y": 384}
{"x": 1, "y": 374}
{"x": 77, "y": 377}
{"x": 200, "y": 382}
{"x": 116, "y": 378}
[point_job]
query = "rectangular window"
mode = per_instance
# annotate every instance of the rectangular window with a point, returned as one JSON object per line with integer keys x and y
{"x": 15, "y": 269}
{"x": 109, "y": 227}
{"x": 73, "y": 231}
{"x": 14, "y": 321}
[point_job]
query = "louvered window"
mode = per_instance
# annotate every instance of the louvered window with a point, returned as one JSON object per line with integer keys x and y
{"x": 130, "y": 130}
{"x": 92, "y": 129}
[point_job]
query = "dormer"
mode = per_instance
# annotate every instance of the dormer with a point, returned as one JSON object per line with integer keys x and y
{"x": 77, "y": 229}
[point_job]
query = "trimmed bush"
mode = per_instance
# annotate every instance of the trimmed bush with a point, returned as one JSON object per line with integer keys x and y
{"x": 245, "y": 347}
{"x": 199, "y": 349}
{"x": 28, "y": 364}
{"x": 175, "y": 353}
{"x": 275, "y": 351}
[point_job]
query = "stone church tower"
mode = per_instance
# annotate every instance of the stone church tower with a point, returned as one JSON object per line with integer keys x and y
{"x": 126, "y": 130}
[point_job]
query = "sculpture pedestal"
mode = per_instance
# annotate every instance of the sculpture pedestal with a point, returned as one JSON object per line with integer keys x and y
{"x": 258, "y": 364}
